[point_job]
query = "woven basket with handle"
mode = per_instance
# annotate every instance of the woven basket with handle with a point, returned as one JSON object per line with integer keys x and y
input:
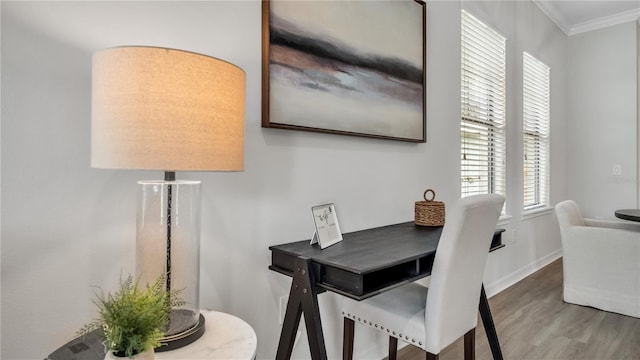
{"x": 429, "y": 212}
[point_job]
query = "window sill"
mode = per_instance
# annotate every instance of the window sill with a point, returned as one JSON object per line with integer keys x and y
{"x": 530, "y": 214}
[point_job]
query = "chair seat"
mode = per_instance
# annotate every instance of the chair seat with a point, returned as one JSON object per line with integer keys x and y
{"x": 399, "y": 312}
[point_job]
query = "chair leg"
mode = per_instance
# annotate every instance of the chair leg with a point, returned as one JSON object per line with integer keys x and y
{"x": 431, "y": 356}
{"x": 470, "y": 345}
{"x": 393, "y": 348}
{"x": 347, "y": 340}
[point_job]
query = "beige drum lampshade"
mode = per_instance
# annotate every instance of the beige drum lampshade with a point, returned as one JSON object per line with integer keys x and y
{"x": 165, "y": 109}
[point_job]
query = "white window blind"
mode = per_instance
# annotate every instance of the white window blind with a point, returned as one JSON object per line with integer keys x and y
{"x": 536, "y": 109}
{"x": 482, "y": 129}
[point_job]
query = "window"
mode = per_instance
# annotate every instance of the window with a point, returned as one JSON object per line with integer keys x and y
{"x": 535, "y": 106}
{"x": 482, "y": 129}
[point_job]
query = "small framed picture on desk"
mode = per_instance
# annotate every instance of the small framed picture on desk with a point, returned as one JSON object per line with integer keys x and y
{"x": 326, "y": 223}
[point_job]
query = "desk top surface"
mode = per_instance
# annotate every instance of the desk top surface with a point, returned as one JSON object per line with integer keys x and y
{"x": 370, "y": 250}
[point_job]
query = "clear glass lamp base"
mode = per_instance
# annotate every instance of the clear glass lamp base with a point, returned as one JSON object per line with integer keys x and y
{"x": 168, "y": 244}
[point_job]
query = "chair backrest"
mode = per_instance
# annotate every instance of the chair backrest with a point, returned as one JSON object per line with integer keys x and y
{"x": 456, "y": 278}
{"x": 568, "y": 214}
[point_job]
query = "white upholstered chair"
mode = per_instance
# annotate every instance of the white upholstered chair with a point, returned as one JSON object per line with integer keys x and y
{"x": 434, "y": 317}
{"x": 600, "y": 260}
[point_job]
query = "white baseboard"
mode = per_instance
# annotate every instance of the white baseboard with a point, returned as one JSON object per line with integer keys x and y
{"x": 512, "y": 278}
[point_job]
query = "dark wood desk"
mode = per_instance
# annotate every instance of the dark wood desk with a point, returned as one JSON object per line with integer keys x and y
{"x": 364, "y": 264}
{"x": 629, "y": 214}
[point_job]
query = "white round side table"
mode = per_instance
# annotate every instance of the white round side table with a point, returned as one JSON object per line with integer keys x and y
{"x": 225, "y": 337}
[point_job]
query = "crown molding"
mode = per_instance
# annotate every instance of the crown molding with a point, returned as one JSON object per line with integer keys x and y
{"x": 554, "y": 15}
{"x": 599, "y": 23}
{"x": 615, "y": 19}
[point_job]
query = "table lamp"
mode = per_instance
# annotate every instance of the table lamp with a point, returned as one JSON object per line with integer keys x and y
{"x": 171, "y": 110}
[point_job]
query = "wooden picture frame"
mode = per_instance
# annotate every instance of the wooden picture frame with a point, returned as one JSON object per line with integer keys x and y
{"x": 327, "y": 229}
{"x": 352, "y": 68}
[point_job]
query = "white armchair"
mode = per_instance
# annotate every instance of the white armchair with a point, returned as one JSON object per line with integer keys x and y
{"x": 601, "y": 261}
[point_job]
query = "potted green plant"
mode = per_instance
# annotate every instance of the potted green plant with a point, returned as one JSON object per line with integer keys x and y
{"x": 133, "y": 320}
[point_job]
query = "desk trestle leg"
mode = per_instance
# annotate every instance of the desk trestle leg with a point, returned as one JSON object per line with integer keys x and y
{"x": 489, "y": 326}
{"x": 303, "y": 299}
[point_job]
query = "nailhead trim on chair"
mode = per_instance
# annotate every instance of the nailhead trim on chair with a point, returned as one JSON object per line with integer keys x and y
{"x": 389, "y": 331}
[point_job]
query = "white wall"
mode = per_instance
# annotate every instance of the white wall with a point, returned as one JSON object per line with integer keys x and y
{"x": 603, "y": 119}
{"x": 66, "y": 226}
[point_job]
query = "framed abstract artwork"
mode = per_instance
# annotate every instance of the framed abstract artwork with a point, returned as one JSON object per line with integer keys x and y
{"x": 345, "y": 67}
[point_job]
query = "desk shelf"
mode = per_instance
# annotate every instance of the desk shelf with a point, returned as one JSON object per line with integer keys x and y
{"x": 363, "y": 286}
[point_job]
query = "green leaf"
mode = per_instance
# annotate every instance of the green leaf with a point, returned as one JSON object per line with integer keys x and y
{"x": 133, "y": 319}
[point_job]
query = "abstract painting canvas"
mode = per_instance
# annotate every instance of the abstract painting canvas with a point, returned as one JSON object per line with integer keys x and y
{"x": 345, "y": 67}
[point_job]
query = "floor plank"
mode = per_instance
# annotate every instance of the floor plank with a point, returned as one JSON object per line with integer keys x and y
{"x": 534, "y": 323}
